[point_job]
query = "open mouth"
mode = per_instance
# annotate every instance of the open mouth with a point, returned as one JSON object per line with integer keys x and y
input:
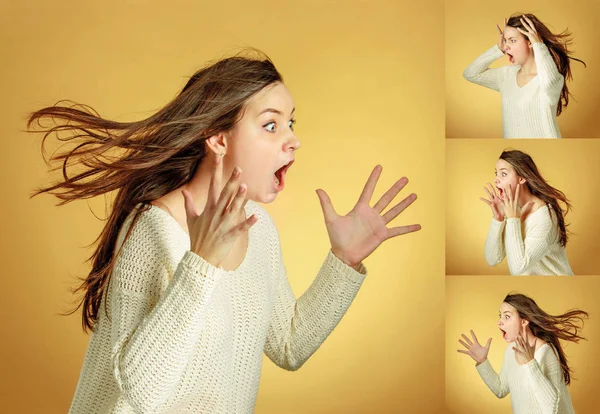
{"x": 510, "y": 57}
{"x": 500, "y": 192}
{"x": 279, "y": 176}
{"x": 503, "y": 334}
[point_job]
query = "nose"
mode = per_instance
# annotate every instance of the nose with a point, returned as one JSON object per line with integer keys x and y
{"x": 292, "y": 143}
{"x": 496, "y": 181}
{"x": 500, "y": 322}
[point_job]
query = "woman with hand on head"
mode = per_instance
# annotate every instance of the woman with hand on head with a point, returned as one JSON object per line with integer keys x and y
{"x": 533, "y": 87}
{"x": 187, "y": 287}
{"x": 535, "y": 370}
{"x": 528, "y": 223}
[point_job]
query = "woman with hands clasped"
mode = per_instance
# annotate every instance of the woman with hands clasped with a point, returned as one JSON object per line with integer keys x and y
{"x": 528, "y": 223}
{"x": 533, "y": 87}
{"x": 188, "y": 287}
{"x": 535, "y": 370}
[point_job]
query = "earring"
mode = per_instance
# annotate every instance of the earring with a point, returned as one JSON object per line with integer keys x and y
{"x": 222, "y": 154}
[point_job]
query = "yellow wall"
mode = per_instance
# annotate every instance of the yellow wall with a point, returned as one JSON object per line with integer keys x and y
{"x": 572, "y": 166}
{"x": 473, "y": 111}
{"x": 368, "y": 86}
{"x": 473, "y": 303}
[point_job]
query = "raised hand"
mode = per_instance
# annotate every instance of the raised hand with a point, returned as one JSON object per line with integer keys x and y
{"x": 495, "y": 202}
{"x": 501, "y": 39}
{"x": 356, "y": 235}
{"x": 510, "y": 204}
{"x": 214, "y": 232}
{"x": 529, "y": 31}
{"x": 474, "y": 349}
{"x": 524, "y": 352}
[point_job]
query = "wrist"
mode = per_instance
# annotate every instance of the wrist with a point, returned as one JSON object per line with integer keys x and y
{"x": 481, "y": 361}
{"x": 342, "y": 258}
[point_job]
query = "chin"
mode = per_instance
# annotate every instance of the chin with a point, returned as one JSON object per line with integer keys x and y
{"x": 264, "y": 198}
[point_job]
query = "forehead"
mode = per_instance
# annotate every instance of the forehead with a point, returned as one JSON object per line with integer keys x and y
{"x": 275, "y": 96}
{"x": 505, "y": 307}
{"x": 510, "y": 31}
{"x": 503, "y": 164}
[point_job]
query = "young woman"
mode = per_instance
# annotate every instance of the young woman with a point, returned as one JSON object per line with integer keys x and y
{"x": 187, "y": 287}
{"x": 535, "y": 370}
{"x": 528, "y": 223}
{"x": 533, "y": 87}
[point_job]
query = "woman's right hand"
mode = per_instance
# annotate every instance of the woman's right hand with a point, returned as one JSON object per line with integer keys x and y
{"x": 495, "y": 202}
{"x": 214, "y": 232}
{"x": 501, "y": 39}
{"x": 474, "y": 349}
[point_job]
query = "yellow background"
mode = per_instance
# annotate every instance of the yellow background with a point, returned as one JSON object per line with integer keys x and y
{"x": 572, "y": 166}
{"x": 368, "y": 86}
{"x": 473, "y": 303}
{"x": 473, "y": 111}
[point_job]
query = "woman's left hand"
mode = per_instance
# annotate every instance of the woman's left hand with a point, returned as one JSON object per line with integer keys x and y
{"x": 523, "y": 351}
{"x": 531, "y": 33}
{"x": 356, "y": 235}
{"x": 510, "y": 204}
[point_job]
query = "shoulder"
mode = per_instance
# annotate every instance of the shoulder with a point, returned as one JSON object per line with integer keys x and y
{"x": 148, "y": 226}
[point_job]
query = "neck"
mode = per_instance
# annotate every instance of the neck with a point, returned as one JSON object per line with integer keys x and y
{"x": 525, "y": 196}
{"x": 529, "y": 67}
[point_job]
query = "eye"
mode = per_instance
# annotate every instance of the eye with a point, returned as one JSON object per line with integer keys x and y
{"x": 503, "y": 174}
{"x": 271, "y": 126}
{"x": 291, "y": 124}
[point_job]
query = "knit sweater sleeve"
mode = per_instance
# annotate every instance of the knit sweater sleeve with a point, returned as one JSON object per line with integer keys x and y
{"x": 545, "y": 375}
{"x": 479, "y": 72}
{"x": 299, "y": 326}
{"x": 550, "y": 79}
{"x": 494, "y": 244}
{"x": 496, "y": 383}
{"x": 154, "y": 328}
{"x": 521, "y": 254}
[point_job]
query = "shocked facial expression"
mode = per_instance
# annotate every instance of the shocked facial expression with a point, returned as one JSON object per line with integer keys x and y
{"x": 510, "y": 323}
{"x": 506, "y": 176}
{"x": 263, "y": 142}
{"x": 516, "y": 46}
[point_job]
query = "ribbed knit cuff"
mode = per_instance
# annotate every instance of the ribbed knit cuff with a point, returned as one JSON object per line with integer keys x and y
{"x": 342, "y": 268}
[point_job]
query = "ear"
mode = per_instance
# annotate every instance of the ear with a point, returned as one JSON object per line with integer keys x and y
{"x": 217, "y": 143}
{"x": 524, "y": 322}
{"x": 522, "y": 180}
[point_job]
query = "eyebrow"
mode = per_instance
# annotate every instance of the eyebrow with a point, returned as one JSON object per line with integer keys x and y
{"x": 275, "y": 111}
{"x": 505, "y": 312}
{"x": 502, "y": 169}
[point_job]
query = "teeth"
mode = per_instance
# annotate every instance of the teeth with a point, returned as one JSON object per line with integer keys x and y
{"x": 276, "y": 180}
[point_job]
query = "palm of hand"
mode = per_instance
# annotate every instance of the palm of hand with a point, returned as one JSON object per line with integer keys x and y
{"x": 357, "y": 234}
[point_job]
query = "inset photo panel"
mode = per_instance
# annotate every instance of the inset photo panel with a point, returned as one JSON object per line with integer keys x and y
{"x": 522, "y": 70}
{"x": 522, "y": 345}
{"x": 524, "y": 209}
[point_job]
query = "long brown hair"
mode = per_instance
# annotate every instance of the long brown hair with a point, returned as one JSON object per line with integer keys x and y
{"x": 526, "y": 168}
{"x": 558, "y": 45}
{"x": 550, "y": 328}
{"x": 144, "y": 160}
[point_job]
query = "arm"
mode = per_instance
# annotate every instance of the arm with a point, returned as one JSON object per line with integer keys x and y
{"x": 299, "y": 327}
{"x": 550, "y": 79}
{"x": 479, "y": 72}
{"x": 154, "y": 333}
{"x": 496, "y": 383}
{"x": 494, "y": 245}
{"x": 522, "y": 254}
{"x": 545, "y": 377}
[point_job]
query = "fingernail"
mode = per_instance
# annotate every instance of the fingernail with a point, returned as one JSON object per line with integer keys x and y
{"x": 236, "y": 171}
{"x": 243, "y": 187}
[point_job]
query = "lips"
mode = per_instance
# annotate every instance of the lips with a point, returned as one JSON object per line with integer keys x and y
{"x": 500, "y": 192}
{"x": 279, "y": 176}
{"x": 503, "y": 333}
{"x": 510, "y": 57}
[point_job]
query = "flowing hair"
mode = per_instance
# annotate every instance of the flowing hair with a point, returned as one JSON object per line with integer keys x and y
{"x": 550, "y": 328}
{"x": 526, "y": 168}
{"x": 144, "y": 160}
{"x": 558, "y": 45}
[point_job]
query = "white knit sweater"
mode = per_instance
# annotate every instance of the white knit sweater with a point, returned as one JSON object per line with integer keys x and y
{"x": 528, "y": 111}
{"x": 537, "y": 387}
{"x": 186, "y": 337}
{"x": 531, "y": 247}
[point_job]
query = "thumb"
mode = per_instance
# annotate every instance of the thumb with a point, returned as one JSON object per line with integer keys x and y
{"x": 328, "y": 210}
{"x": 489, "y": 341}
